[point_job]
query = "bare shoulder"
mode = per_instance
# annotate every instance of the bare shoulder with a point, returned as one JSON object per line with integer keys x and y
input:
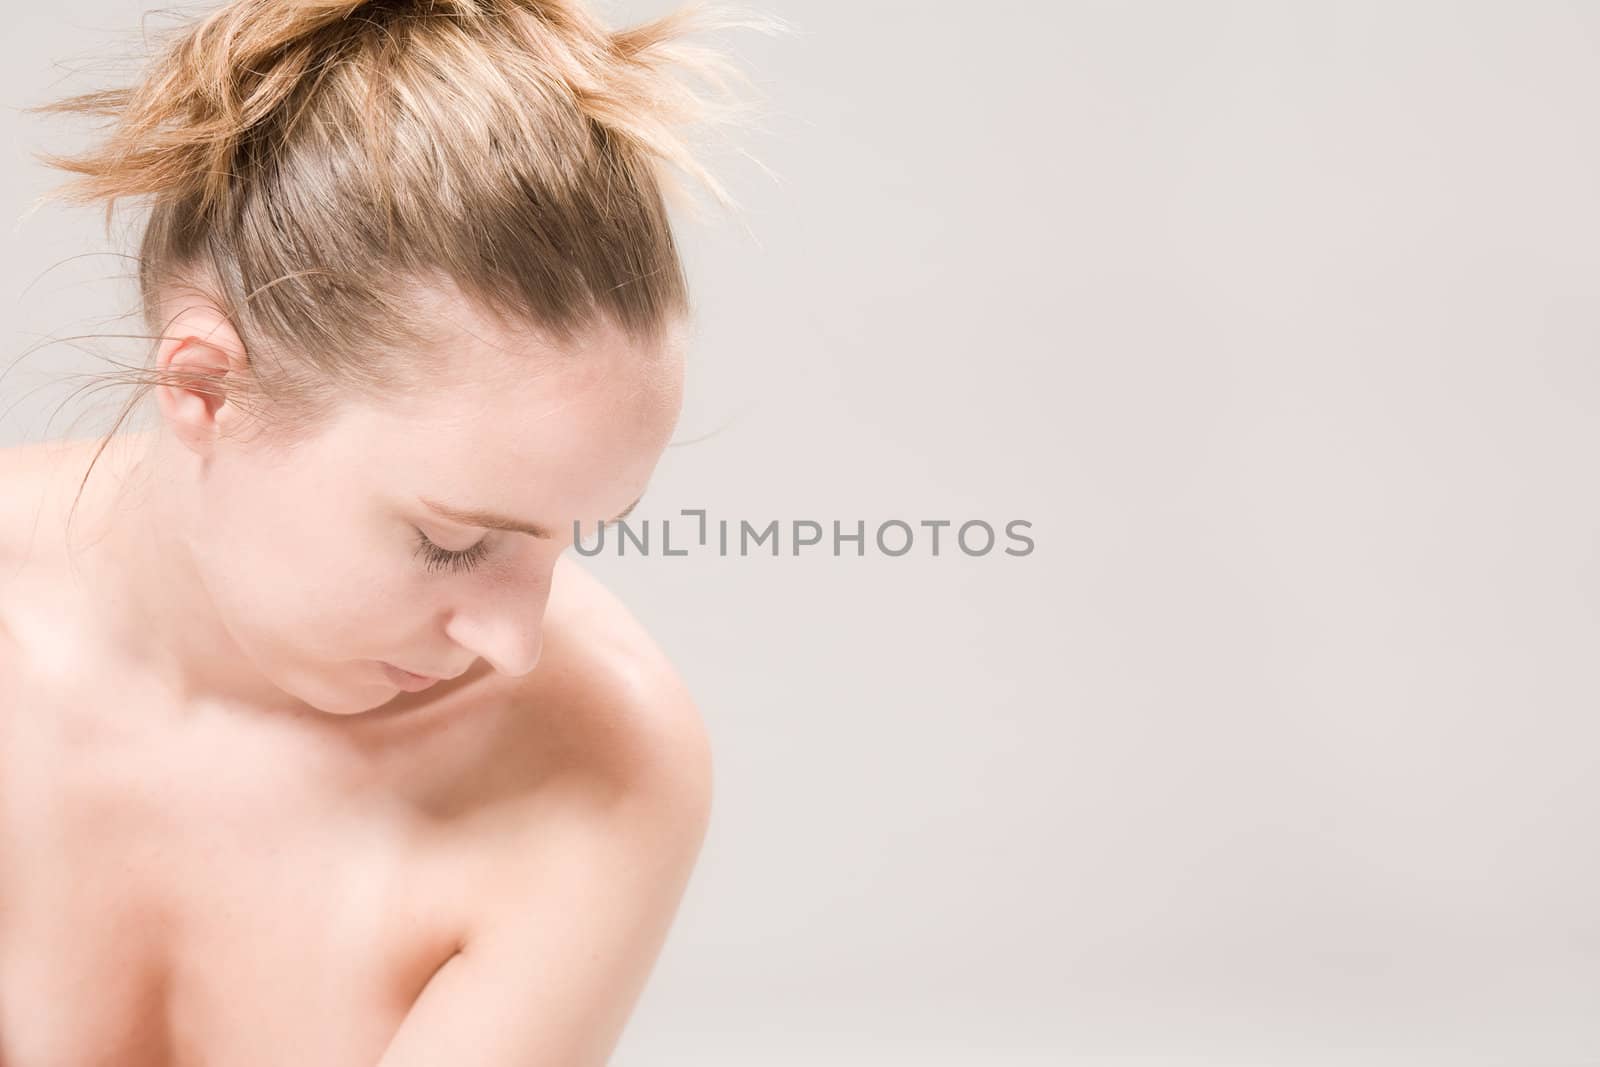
{"x": 625, "y": 709}
{"x": 29, "y": 530}
{"x": 589, "y": 878}
{"x": 610, "y": 757}
{"x": 21, "y": 492}
{"x": 38, "y": 483}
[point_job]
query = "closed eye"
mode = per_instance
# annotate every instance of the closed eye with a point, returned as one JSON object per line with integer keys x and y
{"x": 435, "y": 558}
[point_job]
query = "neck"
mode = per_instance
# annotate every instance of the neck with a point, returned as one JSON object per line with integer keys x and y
{"x": 130, "y": 551}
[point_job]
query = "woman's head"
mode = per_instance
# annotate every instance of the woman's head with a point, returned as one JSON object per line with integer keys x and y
{"x": 403, "y": 249}
{"x": 313, "y": 167}
{"x": 370, "y": 540}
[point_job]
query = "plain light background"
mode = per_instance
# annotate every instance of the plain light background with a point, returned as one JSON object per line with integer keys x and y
{"x": 1278, "y": 322}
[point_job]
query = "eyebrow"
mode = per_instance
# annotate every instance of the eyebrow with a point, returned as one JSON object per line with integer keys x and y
{"x": 493, "y": 521}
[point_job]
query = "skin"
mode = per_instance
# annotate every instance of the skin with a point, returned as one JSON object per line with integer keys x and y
{"x": 227, "y": 837}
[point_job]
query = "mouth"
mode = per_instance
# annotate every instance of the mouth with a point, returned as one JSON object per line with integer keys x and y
{"x": 406, "y": 680}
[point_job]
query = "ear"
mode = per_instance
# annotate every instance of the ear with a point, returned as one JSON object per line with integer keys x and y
{"x": 202, "y": 347}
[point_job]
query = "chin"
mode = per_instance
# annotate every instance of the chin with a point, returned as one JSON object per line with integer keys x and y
{"x": 340, "y": 699}
{"x": 346, "y": 705}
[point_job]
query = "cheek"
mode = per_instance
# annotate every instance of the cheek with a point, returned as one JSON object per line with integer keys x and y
{"x": 280, "y": 580}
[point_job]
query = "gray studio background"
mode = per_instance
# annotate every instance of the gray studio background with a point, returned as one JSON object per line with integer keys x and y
{"x": 1278, "y": 322}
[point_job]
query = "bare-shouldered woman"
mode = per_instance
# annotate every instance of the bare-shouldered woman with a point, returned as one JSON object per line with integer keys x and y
{"x": 316, "y": 746}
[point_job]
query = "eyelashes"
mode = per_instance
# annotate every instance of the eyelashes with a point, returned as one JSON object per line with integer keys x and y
{"x": 438, "y": 559}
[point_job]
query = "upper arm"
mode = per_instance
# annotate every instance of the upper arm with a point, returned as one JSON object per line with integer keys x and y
{"x": 580, "y": 909}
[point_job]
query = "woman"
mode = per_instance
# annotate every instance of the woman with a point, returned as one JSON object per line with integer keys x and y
{"x": 419, "y": 320}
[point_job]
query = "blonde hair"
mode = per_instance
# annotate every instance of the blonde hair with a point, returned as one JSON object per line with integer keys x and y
{"x": 313, "y": 166}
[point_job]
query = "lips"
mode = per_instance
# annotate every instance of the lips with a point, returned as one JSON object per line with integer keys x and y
{"x": 420, "y": 677}
{"x": 406, "y": 680}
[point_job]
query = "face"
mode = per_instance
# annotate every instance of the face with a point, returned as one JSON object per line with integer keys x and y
{"x": 327, "y": 561}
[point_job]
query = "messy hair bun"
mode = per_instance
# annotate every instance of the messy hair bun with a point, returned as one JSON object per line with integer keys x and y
{"x": 179, "y": 130}
{"x": 334, "y": 155}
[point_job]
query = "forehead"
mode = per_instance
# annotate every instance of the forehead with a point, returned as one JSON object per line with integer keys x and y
{"x": 524, "y": 379}
{"x": 497, "y": 407}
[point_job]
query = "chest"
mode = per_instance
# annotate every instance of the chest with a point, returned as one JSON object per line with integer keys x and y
{"x": 184, "y": 896}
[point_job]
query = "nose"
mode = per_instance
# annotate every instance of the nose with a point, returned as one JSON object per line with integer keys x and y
{"x": 512, "y": 646}
{"x": 509, "y": 633}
